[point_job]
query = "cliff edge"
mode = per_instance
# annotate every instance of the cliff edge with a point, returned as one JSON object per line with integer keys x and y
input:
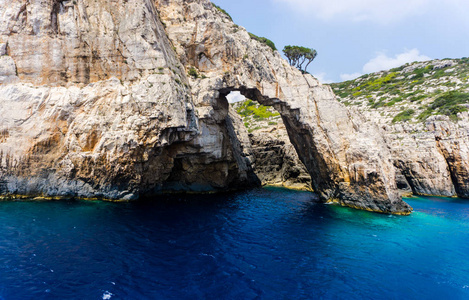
{"x": 96, "y": 102}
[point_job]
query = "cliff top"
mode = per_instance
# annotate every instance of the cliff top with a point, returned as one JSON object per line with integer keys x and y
{"x": 411, "y": 93}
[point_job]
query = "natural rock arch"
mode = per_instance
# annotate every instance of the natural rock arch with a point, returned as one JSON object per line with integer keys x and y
{"x": 119, "y": 131}
{"x": 361, "y": 188}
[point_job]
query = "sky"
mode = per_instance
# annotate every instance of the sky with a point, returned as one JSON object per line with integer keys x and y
{"x": 355, "y": 37}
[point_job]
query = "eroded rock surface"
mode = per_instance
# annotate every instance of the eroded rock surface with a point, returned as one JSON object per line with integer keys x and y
{"x": 276, "y": 160}
{"x": 433, "y": 156}
{"x": 95, "y": 103}
{"x": 346, "y": 157}
{"x": 421, "y": 108}
{"x": 99, "y": 105}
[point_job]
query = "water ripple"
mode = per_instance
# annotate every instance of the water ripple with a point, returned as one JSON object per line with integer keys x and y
{"x": 260, "y": 244}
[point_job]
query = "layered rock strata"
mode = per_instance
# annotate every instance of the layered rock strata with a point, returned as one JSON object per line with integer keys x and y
{"x": 276, "y": 160}
{"x": 421, "y": 108}
{"x": 433, "y": 156}
{"x": 96, "y": 103}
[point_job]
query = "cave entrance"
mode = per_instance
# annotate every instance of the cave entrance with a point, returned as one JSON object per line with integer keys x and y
{"x": 276, "y": 160}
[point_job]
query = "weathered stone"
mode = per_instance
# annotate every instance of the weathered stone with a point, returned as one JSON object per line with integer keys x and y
{"x": 420, "y": 162}
{"x": 346, "y": 157}
{"x": 277, "y": 163}
{"x": 104, "y": 107}
{"x": 7, "y": 70}
{"x": 453, "y": 143}
{"x": 114, "y": 116}
{"x": 3, "y": 49}
{"x": 276, "y": 160}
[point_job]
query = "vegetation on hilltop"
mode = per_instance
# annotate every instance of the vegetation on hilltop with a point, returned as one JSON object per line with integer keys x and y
{"x": 448, "y": 104}
{"x": 263, "y": 40}
{"x": 297, "y": 56}
{"x": 222, "y": 11}
{"x": 411, "y": 93}
{"x": 260, "y": 39}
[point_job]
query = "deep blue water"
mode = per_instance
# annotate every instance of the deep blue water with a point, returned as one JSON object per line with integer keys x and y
{"x": 260, "y": 244}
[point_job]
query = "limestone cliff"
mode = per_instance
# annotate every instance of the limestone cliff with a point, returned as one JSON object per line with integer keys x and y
{"x": 276, "y": 161}
{"x": 95, "y": 102}
{"x": 422, "y": 111}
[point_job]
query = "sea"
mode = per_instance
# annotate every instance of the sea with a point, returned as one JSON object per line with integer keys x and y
{"x": 265, "y": 243}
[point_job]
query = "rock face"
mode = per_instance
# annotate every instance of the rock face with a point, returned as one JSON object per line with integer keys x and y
{"x": 95, "y": 102}
{"x": 276, "y": 162}
{"x": 429, "y": 144}
{"x": 433, "y": 159}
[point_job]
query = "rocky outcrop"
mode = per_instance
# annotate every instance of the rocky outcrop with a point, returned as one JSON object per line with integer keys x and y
{"x": 347, "y": 158}
{"x": 99, "y": 105}
{"x": 433, "y": 156}
{"x": 421, "y": 109}
{"x": 421, "y": 163}
{"x": 95, "y": 103}
{"x": 276, "y": 160}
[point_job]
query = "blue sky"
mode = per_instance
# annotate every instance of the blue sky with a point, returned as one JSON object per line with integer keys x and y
{"x": 354, "y": 37}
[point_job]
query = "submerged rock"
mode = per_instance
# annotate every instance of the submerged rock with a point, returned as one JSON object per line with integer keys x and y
{"x": 100, "y": 105}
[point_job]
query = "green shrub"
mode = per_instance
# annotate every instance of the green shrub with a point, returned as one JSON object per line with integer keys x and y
{"x": 394, "y": 101}
{"x": 378, "y": 104}
{"x": 416, "y": 98}
{"x": 263, "y": 40}
{"x": 222, "y": 11}
{"x": 438, "y": 74}
{"x": 419, "y": 73}
{"x": 343, "y": 94}
{"x": 406, "y": 115}
{"x": 448, "y": 104}
{"x": 425, "y": 114}
{"x": 256, "y": 111}
{"x": 398, "y": 69}
{"x": 193, "y": 73}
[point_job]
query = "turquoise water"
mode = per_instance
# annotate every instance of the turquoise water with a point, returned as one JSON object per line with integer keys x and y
{"x": 259, "y": 244}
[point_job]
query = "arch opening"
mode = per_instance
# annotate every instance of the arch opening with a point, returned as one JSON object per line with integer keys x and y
{"x": 276, "y": 161}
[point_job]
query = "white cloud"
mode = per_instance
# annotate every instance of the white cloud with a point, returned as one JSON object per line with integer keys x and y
{"x": 381, "y": 11}
{"x": 383, "y": 62}
{"x": 345, "y": 77}
{"x": 322, "y": 77}
{"x": 235, "y": 97}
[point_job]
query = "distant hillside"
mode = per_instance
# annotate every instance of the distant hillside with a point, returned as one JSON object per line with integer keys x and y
{"x": 410, "y": 93}
{"x": 256, "y": 116}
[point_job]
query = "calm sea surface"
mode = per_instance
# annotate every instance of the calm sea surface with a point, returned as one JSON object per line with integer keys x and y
{"x": 261, "y": 244}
